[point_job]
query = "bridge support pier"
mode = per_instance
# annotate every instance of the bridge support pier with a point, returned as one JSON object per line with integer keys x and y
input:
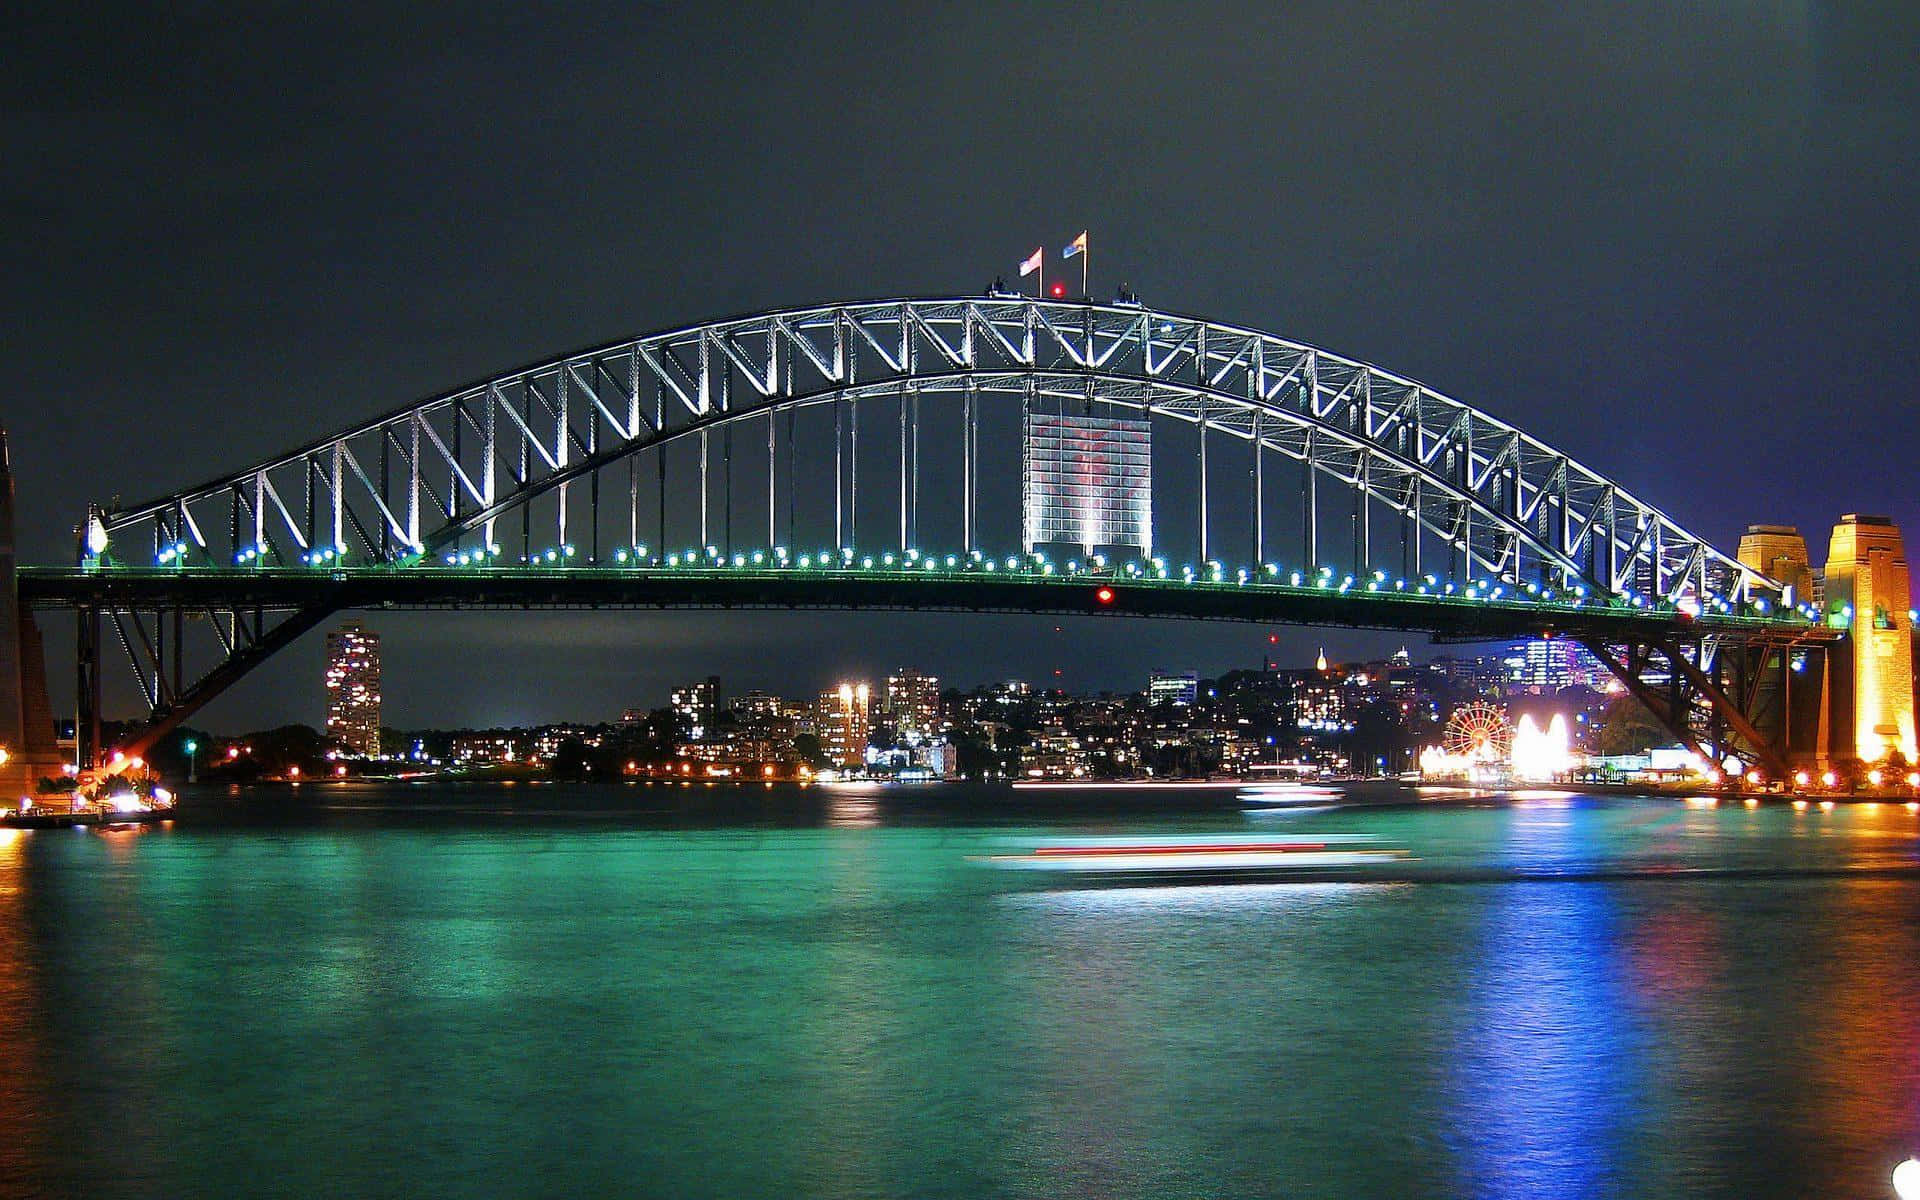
{"x": 1726, "y": 695}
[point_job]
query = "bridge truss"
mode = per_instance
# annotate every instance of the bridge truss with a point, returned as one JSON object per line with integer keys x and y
{"x": 740, "y": 444}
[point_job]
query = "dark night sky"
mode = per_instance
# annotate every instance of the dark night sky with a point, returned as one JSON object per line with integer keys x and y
{"x": 1677, "y": 243}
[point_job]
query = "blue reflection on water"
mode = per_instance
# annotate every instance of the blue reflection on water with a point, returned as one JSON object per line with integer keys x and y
{"x": 1537, "y": 1078}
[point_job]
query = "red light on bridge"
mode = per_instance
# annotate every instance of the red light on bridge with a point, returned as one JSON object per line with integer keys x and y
{"x": 1058, "y": 289}
{"x": 1104, "y": 595}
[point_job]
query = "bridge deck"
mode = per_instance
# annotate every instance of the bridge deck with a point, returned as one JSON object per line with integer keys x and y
{"x": 1393, "y": 605}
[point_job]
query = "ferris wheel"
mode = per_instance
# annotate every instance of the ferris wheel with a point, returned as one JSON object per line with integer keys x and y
{"x": 1478, "y": 732}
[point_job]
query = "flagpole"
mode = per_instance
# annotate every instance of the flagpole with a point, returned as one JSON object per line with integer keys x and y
{"x": 1086, "y": 256}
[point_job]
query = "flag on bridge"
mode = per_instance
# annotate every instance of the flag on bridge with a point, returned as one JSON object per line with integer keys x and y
{"x": 1076, "y": 246}
{"x": 1032, "y": 263}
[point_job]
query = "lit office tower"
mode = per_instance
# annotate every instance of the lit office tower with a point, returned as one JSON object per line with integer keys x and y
{"x": 1546, "y": 665}
{"x": 1173, "y": 687}
{"x": 842, "y": 722}
{"x": 1088, "y": 483}
{"x": 913, "y": 702}
{"x": 695, "y": 706}
{"x": 353, "y": 688}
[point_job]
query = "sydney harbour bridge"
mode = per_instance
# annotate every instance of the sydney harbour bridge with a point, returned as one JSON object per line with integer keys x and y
{"x": 995, "y": 453}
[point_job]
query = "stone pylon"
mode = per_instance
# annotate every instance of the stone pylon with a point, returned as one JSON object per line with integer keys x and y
{"x": 26, "y": 719}
{"x": 1870, "y": 697}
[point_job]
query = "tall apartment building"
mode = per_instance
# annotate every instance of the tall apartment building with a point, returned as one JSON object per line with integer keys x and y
{"x": 353, "y": 688}
{"x": 843, "y": 723}
{"x": 913, "y": 702}
{"x": 696, "y": 706}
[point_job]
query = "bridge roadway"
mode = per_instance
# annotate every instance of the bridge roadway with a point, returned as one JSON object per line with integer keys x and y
{"x": 1372, "y": 602}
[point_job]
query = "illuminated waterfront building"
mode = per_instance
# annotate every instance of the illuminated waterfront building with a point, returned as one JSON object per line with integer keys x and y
{"x": 843, "y": 723}
{"x": 1870, "y": 710}
{"x": 353, "y": 688}
{"x": 913, "y": 703}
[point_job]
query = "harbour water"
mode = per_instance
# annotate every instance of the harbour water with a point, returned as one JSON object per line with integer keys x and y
{"x": 618, "y": 992}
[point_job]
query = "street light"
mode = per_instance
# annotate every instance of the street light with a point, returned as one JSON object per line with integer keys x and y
{"x": 192, "y": 747}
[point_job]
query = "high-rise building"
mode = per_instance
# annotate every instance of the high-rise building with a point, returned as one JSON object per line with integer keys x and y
{"x": 1169, "y": 687}
{"x": 843, "y": 723}
{"x": 1870, "y": 682}
{"x": 913, "y": 703}
{"x": 353, "y": 688}
{"x": 696, "y": 705}
{"x": 1546, "y": 665}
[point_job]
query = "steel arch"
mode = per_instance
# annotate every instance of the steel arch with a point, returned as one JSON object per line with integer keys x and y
{"x": 405, "y": 485}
